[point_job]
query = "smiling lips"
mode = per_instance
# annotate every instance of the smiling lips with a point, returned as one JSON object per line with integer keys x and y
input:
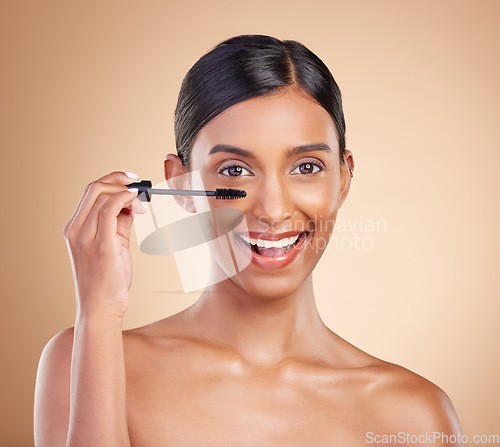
{"x": 272, "y": 250}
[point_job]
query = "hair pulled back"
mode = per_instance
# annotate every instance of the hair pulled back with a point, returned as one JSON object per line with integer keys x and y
{"x": 244, "y": 67}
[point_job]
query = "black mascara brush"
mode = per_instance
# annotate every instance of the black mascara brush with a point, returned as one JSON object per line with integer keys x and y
{"x": 145, "y": 191}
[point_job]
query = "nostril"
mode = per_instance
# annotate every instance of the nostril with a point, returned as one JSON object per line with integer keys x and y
{"x": 271, "y": 205}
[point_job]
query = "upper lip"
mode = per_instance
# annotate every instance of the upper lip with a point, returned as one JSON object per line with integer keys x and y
{"x": 270, "y": 236}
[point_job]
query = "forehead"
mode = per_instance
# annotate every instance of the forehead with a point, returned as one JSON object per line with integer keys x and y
{"x": 283, "y": 119}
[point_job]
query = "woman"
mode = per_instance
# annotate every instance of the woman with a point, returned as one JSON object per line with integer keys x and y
{"x": 250, "y": 363}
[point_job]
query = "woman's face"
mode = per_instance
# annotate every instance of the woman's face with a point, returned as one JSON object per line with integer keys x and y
{"x": 282, "y": 149}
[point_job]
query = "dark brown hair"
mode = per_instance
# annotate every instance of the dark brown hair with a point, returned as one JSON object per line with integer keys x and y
{"x": 244, "y": 67}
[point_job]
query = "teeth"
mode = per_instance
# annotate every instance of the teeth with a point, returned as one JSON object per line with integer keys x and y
{"x": 271, "y": 244}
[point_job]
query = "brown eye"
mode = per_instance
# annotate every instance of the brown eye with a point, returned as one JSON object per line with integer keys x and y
{"x": 307, "y": 168}
{"x": 233, "y": 171}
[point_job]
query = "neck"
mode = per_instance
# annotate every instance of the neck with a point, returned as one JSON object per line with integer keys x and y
{"x": 263, "y": 331}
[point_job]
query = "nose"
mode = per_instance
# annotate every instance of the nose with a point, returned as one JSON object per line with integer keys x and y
{"x": 272, "y": 203}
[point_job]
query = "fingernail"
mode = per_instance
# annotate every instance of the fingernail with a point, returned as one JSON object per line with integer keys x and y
{"x": 132, "y": 189}
{"x": 131, "y": 174}
{"x": 144, "y": 207}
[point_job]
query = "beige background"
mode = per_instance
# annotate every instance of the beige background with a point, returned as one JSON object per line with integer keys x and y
{"x": 90, "y": 87}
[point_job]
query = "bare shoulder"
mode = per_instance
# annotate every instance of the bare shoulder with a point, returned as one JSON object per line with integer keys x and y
{"x": 59, "y": 343}
{"x": 56, "y": 355}
{"x": 392, "y": 399}
{"x": 162, "y": 337}
{"x": 411, "y": 403}
{"x": 167, "y": 329}
{"x": 51, "y": 409}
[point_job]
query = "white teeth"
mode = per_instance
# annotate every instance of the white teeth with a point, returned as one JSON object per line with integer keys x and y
{"x": 271, "y": 244}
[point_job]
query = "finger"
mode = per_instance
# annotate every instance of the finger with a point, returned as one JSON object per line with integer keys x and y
{"x": 124, "y": 223}
{"x": 119, "y": 177}
{"x": 88, "y": 231}
{"x": 97, "y": 195}
{"x": 75, "y": 214}
{"x": 117, "y": 208}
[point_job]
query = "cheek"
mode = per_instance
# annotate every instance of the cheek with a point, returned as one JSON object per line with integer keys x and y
{"x": 319, "y": 203}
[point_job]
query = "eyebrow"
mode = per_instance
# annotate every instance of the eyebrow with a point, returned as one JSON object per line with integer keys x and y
{"x": 308, "y": 148}
{"x": 290, "y": 153}
{"x": 231, "y": 149}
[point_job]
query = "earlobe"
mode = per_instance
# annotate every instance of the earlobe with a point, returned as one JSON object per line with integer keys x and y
{"x": 347, "y": 172}
{"x": 176, "y": 175}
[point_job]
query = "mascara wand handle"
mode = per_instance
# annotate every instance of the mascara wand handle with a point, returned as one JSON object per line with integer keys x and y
{"x": 144, "y": 187}
{"x": 146, "y": 190}
{"x": 182, "y": 192}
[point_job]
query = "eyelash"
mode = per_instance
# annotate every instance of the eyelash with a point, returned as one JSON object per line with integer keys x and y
{"x": 221, "y": 170}
{"x": 310, "y": 162}
{"x": 313, "y": 163}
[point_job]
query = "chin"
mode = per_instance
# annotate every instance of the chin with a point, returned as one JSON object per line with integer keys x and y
{"x": 267, "y": 289}
{"x": 263, "y": 285}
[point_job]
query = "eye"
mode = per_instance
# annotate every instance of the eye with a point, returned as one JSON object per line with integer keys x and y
{"x": 308, "y": 167}
{"x": 234, "y": 171}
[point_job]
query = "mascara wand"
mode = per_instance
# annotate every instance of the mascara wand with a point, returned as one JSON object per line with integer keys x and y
{"x": 145, "y": 191}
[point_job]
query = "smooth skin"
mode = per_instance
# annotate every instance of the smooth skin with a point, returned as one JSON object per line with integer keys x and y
{"x": 251, "y": 363}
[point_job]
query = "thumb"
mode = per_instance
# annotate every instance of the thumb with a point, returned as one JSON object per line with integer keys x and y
{"x": 139, "y": 207}
{"x": 126, "y": 217}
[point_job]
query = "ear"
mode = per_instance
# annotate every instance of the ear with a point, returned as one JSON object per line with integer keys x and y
{"x": 345, "y": 176}
{"x": 176, "y": 175}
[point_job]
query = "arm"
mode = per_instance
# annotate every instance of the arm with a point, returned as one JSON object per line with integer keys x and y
{"x": 97, "y": 393}
{"x": 80, "y": 392}
{"x": 80, "y": 388}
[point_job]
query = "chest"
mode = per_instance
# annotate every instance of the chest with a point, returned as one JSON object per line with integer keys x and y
{"x": 231, "y": 408}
